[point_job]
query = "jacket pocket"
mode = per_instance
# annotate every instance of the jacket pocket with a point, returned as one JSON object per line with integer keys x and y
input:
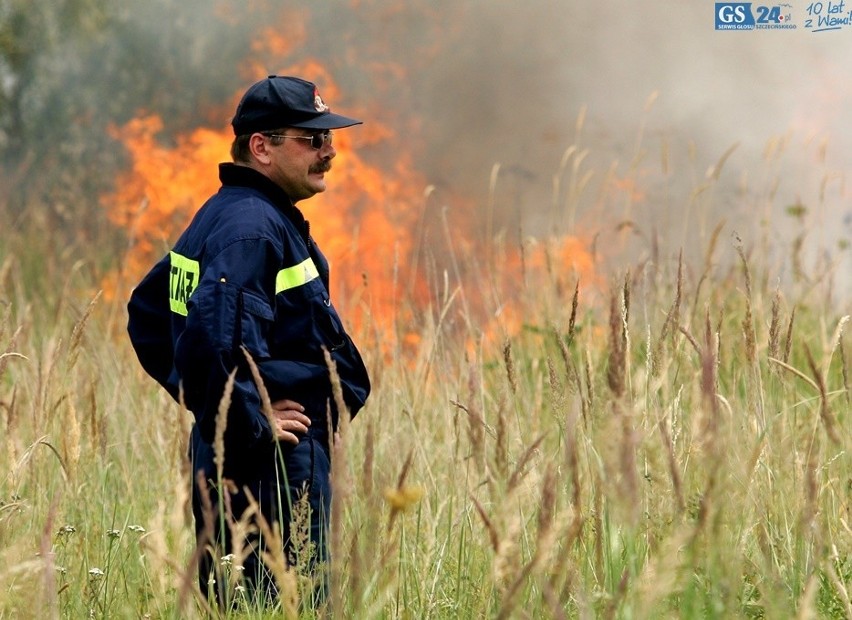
{"x": 332, "y": 327}
{"x": 306, "y": 321}
{"x": 256, "y": 318}
{"x": 211, "y": 320}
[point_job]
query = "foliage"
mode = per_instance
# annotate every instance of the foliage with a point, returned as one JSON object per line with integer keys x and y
{"x": 69, "y": 70}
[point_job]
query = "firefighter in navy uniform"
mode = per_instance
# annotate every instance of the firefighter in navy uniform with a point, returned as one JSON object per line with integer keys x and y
{"x": 247, "y": 276}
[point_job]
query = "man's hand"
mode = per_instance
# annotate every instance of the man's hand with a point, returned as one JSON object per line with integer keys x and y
{"x": 289, "y": 418}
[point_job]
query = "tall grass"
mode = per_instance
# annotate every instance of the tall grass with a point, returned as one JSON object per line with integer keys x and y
{"x": 670, "y": 444}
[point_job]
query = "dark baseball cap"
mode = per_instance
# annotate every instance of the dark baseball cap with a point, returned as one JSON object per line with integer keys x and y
{"x": 279, "y": 101}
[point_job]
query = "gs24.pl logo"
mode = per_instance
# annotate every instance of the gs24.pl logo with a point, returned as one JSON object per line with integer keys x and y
{"x": 739, "y": 16}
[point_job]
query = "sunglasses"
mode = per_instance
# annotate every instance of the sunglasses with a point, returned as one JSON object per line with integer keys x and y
{"x": 317, "y": 139}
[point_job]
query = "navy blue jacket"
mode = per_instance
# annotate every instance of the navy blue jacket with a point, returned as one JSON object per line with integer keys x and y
{"x": 245, "y": 273}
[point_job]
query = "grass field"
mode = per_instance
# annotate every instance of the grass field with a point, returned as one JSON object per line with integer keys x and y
{"x": 670, "y": 444}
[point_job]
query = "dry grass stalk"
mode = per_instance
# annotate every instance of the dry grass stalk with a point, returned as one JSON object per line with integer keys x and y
{"x": 589, "y": 383}
{"x": 738, "y": 245}
{"x": 398, "y": 499}
{"x": 48, "y": 601}
{"x": 519, "y": 471}
{"x": 12, "y": 452}
{"x": 71, "y": 439}
{"x": 92, "y": 418}
{"x": 807, "y": 602}
{"x": 46, "y": 363}
{"x": 573, "y": 462}
{"x": 341, "y": 489}
{"x": 543, "y": 546}
{"x": 547, "y": 506}
{"x": 824, "y": 410}
{"x": 510, "y": 366}
{"x": 837, "y": 582}
{"x": 273, "y": 557}
{"x": 572, "y": 320}
{"x": 9, "y": 353}
{"x": 265, "y": 402}
{"x": 475, "y": 421}
{"x": 708, "y": 264}
{"x": 343, "y": 417}
{"x": 241, "y": 530}
{"x": 614, "y": 603}
{"x": 775, "y": 326}
{"x": 5, "y": 268}
{"x": 625, "y": 331}
{"x": 628, "y": 472}
{"x": 749, "y": 334}
{"x": 556, "y": 389}
{"x": 508, "y": 558}
{"x": 222, "y": 425}
{"x": 705, "y": 501}
{"x": 565, "y": 567}
{"x": 811, "y": 505}
{"x": 187, "y": 583}
{"x": 691, "y": 340}
{"x": 598, "y": 525}
{"x": 563, "y": 349}
{"x": 555, "y": 604}
{"x": 796, "y": 372}
{"x": 672, "y": 319}
{"x": 748, "y": 321}
{"x": 456, "y": 270}
{"x": 179, "y": 433}
{"x": 844, "y": 371}
{"x": 369, "y": 458}
{"x": 205, "y": 543}
{"x": 788, "y": 340}
{"x": 617, "y": 349}
{"x": 708, "y": 373}
{"x": 501, "y": 444}
{"x": 77, "y": 332}
{"x": 356, "y": 571}
{"x": 474, "y": 428}
{"x": 835, "y": 342}
{"x": 572, "y": 374}
{"x": 674, "y": 469}
{"x": 493, "y": 534}
{"x": 302, "y": 550}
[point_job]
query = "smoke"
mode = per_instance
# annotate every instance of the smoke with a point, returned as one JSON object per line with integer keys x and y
{"x": 466, "y": 86}
{"x": 508, "y": 81}
{"x": 512, "y": 85}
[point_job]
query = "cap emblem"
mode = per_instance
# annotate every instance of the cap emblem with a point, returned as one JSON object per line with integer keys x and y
{"x": 318, "y": 102}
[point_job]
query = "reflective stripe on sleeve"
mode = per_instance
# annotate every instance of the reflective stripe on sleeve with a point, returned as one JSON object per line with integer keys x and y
{"x": 297, "y": 275}
{"x": 184, "y": 274}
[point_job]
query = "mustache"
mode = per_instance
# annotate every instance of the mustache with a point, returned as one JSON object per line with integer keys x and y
{"x": 324, "y": 166}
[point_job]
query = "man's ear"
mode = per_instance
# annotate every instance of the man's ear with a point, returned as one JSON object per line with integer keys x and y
{"x": 259, "y": 148}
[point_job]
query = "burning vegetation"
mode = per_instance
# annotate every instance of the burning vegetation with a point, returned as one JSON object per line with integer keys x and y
{"x": 395, "y": 250}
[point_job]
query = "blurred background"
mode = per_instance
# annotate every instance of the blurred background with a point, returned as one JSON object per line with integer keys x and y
{"x": 631, "y": 129}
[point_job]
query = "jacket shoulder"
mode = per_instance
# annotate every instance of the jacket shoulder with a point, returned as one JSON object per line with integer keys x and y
{"x": 235, "y": 214}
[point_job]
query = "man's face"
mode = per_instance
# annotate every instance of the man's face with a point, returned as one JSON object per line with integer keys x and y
{"x": 295, "y": 165}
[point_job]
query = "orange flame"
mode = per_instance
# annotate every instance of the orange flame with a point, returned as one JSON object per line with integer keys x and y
{"x": 367, "y": 224}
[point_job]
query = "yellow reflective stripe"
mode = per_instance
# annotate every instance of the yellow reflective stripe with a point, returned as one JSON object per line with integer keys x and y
{"x": 297, "y": 275}
{"x": 184, "y": 274}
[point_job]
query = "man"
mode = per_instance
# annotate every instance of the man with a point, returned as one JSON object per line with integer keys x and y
{"x": 246, "y": 285}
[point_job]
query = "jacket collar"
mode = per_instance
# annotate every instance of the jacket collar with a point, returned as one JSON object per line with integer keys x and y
{"x": 242, "y": 176}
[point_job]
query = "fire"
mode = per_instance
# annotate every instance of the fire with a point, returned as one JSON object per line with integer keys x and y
{"x": 370, "y": 224}
{"x": 162, "y": 188}
{"x": 363, "y": 223}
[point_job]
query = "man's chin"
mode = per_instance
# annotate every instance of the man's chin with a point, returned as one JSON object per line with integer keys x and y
{"x": 318, "y": 183}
